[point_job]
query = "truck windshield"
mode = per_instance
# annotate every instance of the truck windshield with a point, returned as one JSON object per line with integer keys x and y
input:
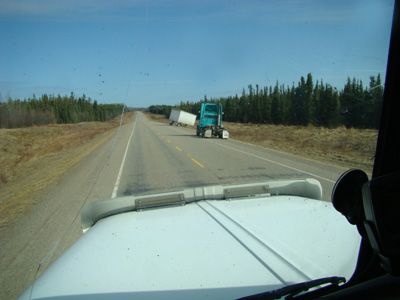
{"x": 211, "y": 110}
{"x": 300, "y": 84}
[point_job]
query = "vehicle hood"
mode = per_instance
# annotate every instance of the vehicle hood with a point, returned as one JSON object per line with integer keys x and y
{"x": 216, "y": 248}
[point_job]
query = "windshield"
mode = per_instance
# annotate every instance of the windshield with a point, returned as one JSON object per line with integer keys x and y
{"x": 87, "y": 90}
{"x": 212, "y": 110}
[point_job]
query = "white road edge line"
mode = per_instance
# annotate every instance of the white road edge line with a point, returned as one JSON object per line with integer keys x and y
{"x": 279, "y": 164}
{"x": 116, "y": 185}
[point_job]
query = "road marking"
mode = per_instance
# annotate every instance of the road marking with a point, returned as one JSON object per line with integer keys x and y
{"x": 198, "y": 163}
{"x": 188, "y": 155}
{"x": 279, "y": 164}
{"x": 222, "y": 179}
{"x": 116, "y": 186}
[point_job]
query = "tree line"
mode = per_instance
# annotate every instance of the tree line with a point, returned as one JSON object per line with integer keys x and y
{"x": 317, "y": 104}
{"x": 51, "y": 109}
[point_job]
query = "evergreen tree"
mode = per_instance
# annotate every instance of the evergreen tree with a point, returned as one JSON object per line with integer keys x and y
{"x": 276, "y": 115}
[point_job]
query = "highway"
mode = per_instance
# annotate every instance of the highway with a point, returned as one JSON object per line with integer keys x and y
{"x": 163, "y": 158}
{"x": 146, "y": 157}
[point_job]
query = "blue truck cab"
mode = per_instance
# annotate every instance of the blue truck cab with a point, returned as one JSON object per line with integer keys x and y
{"x": 210, "y": 124}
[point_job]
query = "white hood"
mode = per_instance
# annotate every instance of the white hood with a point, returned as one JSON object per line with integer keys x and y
{"x": 215, "y": 248}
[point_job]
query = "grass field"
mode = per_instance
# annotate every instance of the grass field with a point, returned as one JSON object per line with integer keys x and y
{"x": 32, "y": 158}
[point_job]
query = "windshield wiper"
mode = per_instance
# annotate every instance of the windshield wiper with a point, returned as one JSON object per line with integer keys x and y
{"x": 294, "y": 289}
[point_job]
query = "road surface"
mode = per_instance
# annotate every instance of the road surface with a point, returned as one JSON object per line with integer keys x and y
{"x": 147, "y": 157}
{"x": 162, "y": 157}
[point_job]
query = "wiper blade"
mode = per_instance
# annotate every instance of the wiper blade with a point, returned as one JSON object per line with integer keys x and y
{"x": 294, "y": 289}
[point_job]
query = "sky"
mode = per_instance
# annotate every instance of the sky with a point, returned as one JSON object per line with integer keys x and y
{"x": 144, "y": 53}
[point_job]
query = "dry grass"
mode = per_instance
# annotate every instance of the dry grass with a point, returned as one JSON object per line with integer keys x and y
{"x": 345, "y": 147}
{"x": 349, "y": 148}
{"x": 32, "y": 158}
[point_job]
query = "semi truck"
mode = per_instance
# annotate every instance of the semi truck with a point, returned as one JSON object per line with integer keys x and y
{"x": 210, "y": 124}
{"x": 180, "y": 117}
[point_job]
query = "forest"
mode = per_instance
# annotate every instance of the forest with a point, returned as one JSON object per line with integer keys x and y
{"x": 319, "y": 104}
{"x": 51, "y": 109}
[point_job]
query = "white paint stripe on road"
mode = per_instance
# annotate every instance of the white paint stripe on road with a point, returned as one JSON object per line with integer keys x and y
{"x": 279, "y": 164}
{"x": 116, "y": 186}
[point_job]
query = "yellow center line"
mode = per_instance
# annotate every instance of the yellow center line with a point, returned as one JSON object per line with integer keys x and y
{"x": 198, "y": 163}
{"x": 188, "y": 155}
{"x": 179, "y": 149}
{"x": 168, "y": 141}
{"x": 222, "y": 179}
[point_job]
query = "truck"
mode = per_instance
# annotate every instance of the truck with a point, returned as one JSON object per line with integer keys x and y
{"x": 210, "y": 124}
{"x": 180, "y": 117}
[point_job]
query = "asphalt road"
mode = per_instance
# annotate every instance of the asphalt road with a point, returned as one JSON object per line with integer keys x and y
{"x": 147, "y": 157}
{"x": 161, "y": 158}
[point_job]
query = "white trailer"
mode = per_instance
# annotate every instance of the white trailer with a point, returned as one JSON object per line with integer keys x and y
{"x": 180, "y": 117}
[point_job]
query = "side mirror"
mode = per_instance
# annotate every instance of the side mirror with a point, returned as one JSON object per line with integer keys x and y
{"x": 381, "y": 199}
{"x": 374, "y": 206}
{"x": 347, "y": 195}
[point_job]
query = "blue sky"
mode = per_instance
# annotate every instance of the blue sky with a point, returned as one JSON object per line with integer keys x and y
{"x": 162, "y": 52}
